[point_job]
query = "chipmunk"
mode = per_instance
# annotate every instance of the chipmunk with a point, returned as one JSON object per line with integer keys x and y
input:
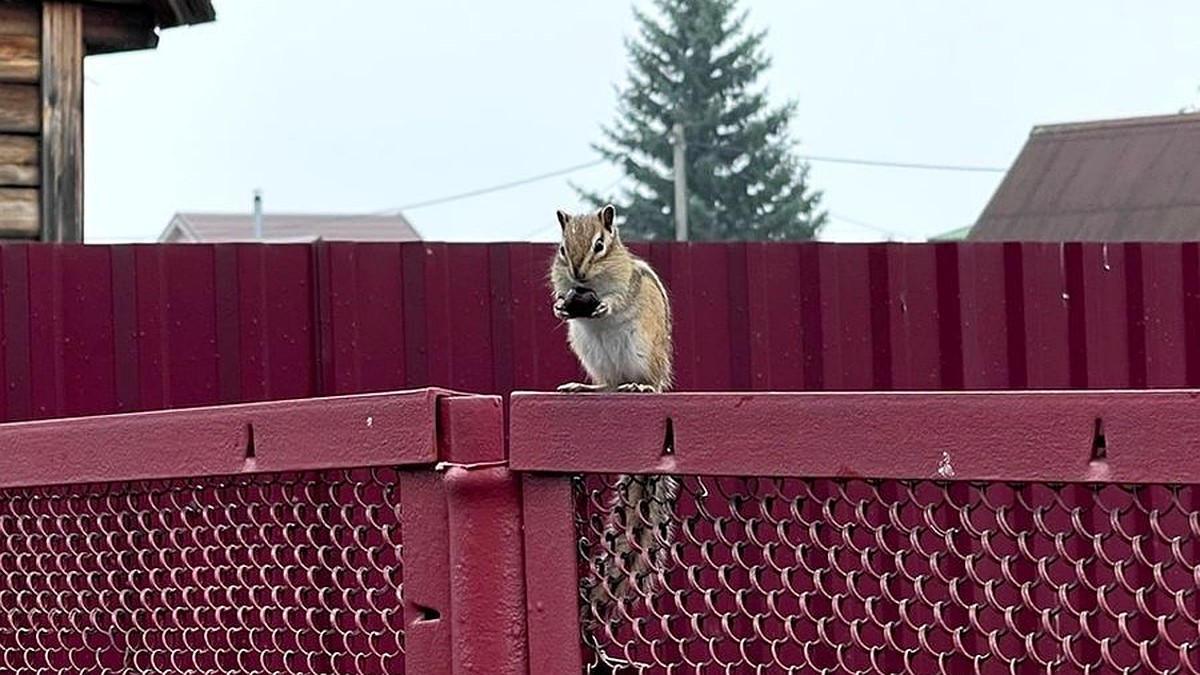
{"x": 619, "y": 327}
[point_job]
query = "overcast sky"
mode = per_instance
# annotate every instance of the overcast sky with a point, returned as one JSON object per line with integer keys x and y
{"x": 385, "y": 104}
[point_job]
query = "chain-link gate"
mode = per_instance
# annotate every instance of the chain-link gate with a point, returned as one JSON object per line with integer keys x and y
{"x": 307, "y": 536}
{"x": 265, "y": 573}
{"x": 1049, "y": 532}
{"x": 860, "y": 576}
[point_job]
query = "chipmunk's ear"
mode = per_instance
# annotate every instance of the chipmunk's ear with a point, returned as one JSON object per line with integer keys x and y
{"x": 563, "y": 217}
{"x": 607, "y": 215}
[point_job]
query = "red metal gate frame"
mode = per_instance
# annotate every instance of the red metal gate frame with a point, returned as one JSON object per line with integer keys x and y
{"x": 491, "y": 582}
{"x": 461, "y": 506}
{"x": 1049, "y": 436}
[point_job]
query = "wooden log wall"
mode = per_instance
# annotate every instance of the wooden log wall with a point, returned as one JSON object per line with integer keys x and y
{"x": 20, "y": 120}
{"x": 41, "y": 114}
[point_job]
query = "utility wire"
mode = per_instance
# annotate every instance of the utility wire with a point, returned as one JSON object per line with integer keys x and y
{"x": 501, "y": 186}
{"x": 446, "y": 199}
{"x": 866, "y": 226}
{"x": 398, "y": 210}
{"x": 902, "y": 165}
{"x": 543, "y": 228}
{"x": 866, "y": 162}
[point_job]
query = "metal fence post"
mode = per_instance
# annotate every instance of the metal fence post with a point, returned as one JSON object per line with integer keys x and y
{"x": 486, "y": 570}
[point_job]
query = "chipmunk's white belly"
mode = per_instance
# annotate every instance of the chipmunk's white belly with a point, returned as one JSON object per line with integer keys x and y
{"x": 610, "y": 349}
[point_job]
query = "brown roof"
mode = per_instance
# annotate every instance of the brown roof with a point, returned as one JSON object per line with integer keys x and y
{"x": 1134, "y": 179}
{"x": 230, "y": 227}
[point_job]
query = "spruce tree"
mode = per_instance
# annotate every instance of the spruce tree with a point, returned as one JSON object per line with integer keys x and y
{"x": 698, "y": 66}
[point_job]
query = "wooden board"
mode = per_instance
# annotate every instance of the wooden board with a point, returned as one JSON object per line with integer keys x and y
{"x": 19, "y": 58}
{"x": 19, "y": 212}
{"x": 18, "y": 175}
{"x": 62, "y": 112}
{"x": 19, "y": 105}
{"x": 19, "y": 18}
{"x": 18, "y": 149}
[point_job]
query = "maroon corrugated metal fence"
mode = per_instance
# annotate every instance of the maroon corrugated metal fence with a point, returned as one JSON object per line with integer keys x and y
{"x": 101, "y": 329}
{"x": 828, "y": 532}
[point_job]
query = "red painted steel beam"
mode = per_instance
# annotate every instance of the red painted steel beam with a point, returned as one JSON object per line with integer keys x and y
{"x": 478, "y": 624}
{"x": 425, "y": 531}
{"x": 397, "y": 428}
{"x": 1147, "y": 436}
{"x": 551, "y": 575}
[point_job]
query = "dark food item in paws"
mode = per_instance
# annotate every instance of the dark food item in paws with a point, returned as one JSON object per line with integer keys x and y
{"x": 581, "y": 303}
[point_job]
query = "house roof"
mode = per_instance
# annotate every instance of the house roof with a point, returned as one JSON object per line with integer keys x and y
{"x": 1134, "y": 179}
{"x": 278, "y": 227}
{"x": 953, "y": 235}
{"x": 171, "y": 13}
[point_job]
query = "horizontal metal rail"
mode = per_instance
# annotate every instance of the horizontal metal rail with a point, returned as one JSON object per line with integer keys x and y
{"x": 395, "y": 428}
{"x": 1049, "y": 436}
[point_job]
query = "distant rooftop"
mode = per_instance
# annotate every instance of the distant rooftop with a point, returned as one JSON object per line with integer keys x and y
{"x": 203, "y": 228}
{"x": 1134, "y": 179}
{"x": 953, "y": 235}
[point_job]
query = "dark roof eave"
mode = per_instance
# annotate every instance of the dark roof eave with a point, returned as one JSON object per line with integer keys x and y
{"x": 173, "y": 13}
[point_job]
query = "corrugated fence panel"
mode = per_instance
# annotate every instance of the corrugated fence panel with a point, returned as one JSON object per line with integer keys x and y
{"x": 188, "y": 309}
{"x": 86, "y": 317}
{"x": 276, "y": 319}
{"x": 1106, "y": 317}
{"x": 711, "y": 323}
{"x": 983, "y": 307}
{"x": 1046, "y": 305}
{"x": 538, "y": 338}
{"x": 845, "y": 288}
{"x": 915, "y": 353}
{"x": 365, "y": 303}
{"x": 100, "y": 329}
{"x": 1166, "y": 356}
{"x": 467, "y": 294}
{"x": 46, "y": 334}
{"x": 776, "y": 317}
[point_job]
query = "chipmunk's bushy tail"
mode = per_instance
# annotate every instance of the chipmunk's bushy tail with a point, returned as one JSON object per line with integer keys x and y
{"x": 636, "y": 544}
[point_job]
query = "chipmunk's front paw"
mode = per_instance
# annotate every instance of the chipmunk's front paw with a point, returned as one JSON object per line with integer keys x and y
{"x": 560, "y": 311}
{"x": 602, "y": 310}
{"x": 636, "y": 387}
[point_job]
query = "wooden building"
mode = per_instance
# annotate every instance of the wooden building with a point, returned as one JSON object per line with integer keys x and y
{"x": 42, "y": 47}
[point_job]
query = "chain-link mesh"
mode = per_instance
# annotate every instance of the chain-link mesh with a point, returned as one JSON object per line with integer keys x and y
{"x": 859, "y": 576}
{"x": 270, "y": 573}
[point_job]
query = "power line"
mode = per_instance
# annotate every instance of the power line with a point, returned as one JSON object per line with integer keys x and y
{"x": 541, "y": 228}
{"x": 902, "y": 165}
{"x": 875, "y": 228}
{"x": 398, "y": 210}
{"x": 596, "y": 162}
{"x": 865, "y": 226}
{"x": 501, "y": 186}
{"x": 867, "y": 162}
{"x": 587, "y": 165}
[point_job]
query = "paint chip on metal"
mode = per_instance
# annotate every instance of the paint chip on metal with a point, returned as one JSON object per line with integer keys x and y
{"x": 945, "y": 470}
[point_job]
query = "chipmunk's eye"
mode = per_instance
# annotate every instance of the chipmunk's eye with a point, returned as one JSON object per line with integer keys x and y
{"x": 599, "y": 246}
{"x": 562, "y": 250}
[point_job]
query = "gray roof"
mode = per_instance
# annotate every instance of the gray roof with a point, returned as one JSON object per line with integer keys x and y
{"x": 1133, "y": 179}
{"x": 281, "y": 227}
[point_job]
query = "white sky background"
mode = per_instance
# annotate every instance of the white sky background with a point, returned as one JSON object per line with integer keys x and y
{"x": 390, "y": 103}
